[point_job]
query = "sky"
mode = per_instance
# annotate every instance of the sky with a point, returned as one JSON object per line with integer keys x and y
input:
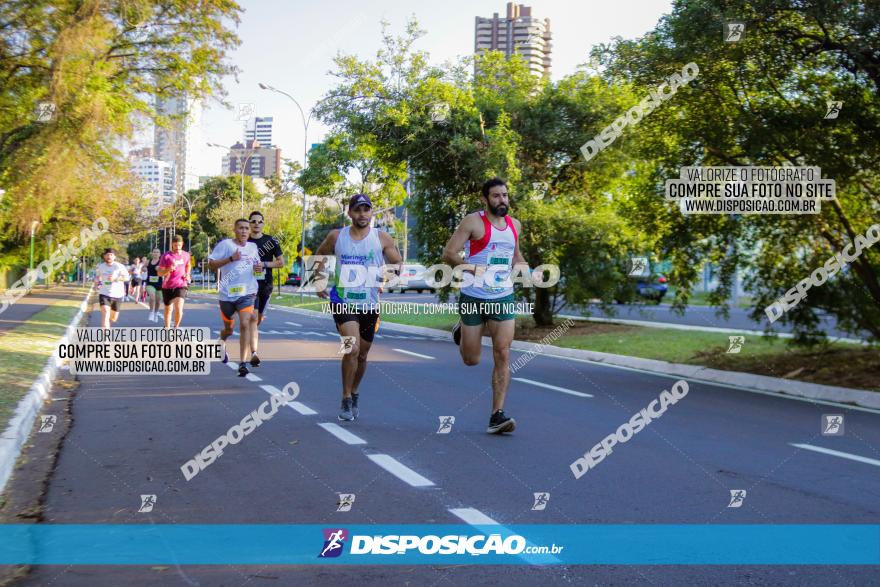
{"x": 290, "y": 44}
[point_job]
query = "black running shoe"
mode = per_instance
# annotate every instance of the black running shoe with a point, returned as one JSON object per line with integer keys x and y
{"x": 456, "y": 333}
{"x": 500, "y": 423}
{"x": 242, "y": 370}
{"x": 354, "y": 405}
{"x": 255, "y": 360}
{"x": 345, "y": 414}
{"x": 225, "y": 356}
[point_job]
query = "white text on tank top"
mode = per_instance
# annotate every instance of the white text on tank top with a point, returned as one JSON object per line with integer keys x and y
{"x": 497, "y": 255}
{"x": 350, "y": 253}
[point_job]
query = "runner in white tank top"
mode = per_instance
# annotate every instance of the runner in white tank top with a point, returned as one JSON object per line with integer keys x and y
{"x": 495, "y": 251}
{"x": 490, "y": 240}
{"x": 361, "y": 251}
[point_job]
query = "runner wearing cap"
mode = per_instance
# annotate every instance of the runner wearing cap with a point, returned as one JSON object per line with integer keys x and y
{"x": 490, "y": 239}
{"x": 355, "y": 308}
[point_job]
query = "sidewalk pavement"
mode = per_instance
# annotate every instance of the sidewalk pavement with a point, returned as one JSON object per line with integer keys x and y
{"x": 39, "y": 299}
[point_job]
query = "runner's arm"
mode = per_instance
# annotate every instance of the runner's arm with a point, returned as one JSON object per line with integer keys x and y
{"x": 462, "y": 234}
{"x": 389, "y": 250}
{"x": 325, "y": 248}
{"x": 215, "y": 263}
{"x": 278, "y": 263}
{"x": 518, "y": 258}
{"x": 163, "y": 270}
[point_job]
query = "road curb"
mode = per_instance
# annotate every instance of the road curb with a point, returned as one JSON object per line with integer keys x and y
{"x": 28, "y": 407}
{"x": 747, "y": 381}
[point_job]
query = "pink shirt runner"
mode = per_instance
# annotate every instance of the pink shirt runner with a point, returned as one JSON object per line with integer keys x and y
{"x": 179, "y": 262}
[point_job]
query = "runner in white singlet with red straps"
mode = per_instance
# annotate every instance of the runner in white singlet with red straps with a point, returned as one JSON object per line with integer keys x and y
{"x": 490, "y": 239}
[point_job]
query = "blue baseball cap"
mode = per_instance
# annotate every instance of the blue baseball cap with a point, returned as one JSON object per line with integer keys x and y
{"x": 359, "y": 200}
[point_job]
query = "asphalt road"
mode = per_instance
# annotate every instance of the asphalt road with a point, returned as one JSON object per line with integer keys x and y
{"x": 130, "y": 435}
{"x": 698, "y": 316}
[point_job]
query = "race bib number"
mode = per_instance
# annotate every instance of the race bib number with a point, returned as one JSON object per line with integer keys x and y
{"x": 237, "y": 289}
{"x": 259, "y": 275}
{"x": 498, "y": 272}
{"x": 352, "y": 295}
{"x": 154, "y": 279}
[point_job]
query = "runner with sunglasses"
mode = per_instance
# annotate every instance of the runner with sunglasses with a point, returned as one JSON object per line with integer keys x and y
{"x": 272, "y": 258}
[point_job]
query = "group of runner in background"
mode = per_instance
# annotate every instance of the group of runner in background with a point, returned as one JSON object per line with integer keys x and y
{"x": 146, "y": 280}
{"x": 485, "y": 239}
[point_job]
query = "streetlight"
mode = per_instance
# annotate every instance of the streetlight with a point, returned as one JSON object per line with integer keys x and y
{"x": 33, "y": 229}
{"x": 189, "y": 221}
{"x": 306, "y": 121}
{"x": 243, "y": 164}
{"x": 49, "y": 240}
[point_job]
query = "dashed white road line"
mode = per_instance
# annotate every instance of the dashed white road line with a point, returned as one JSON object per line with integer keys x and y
{"x": 341, "y": 433}
{"x": 252, "y": 377}
{"x": 296, "y": 406}
{"x": 294, "y": 324}
{"x": 475, "y": 517}
{"x": 836, "y": 453}
{"x": 400, "y": 471}
{"x": 553, "y": 387}
{"x": 413, "y": 354}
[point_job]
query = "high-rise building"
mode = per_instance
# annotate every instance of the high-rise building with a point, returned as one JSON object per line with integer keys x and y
{"x": 157, "y": 181}
{"x": 259, "y": 128}
{"x": 178, "y": 143}
{"x": 258, "y": 161}
{"x": 517, "y": 33}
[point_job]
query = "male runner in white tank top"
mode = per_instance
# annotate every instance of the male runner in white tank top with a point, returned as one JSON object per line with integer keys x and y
{"x": 490, "y": 240}
{"x": 355, "y": 309}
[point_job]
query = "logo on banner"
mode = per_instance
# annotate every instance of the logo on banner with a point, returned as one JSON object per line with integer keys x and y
{"x": 334, "y": 541}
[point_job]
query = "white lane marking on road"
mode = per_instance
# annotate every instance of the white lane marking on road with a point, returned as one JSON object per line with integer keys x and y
{"x": 378, "y": 336}
{"x": 341, "y": 433}
{"x": 475, "y": 517}
{"x": 302, "y": 408}
{"x": 400, "y": 471}
{"x": 232, "y": 365}
{"x": 837, "y": 453}
{"x": 717, "y": 384}
{"x": 553, "y": 387}
{"x": 414, "y": 354}
{"x": 252, "y": 377}
{"x": 294, "y": 324}
{"x": 296, "y": 406}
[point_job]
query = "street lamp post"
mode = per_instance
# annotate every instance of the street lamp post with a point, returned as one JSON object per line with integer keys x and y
{"x": 189, "y": 221}
{"x": 306, "y": 121}
{"x": 33, "y": 230}
{"x": 49, "y": 240}
{"x": 244, "y": 162}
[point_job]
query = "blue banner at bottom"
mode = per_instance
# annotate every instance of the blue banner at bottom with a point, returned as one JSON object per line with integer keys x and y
{"x": 223, "y": 544}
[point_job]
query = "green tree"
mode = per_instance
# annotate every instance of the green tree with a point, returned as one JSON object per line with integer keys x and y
{"x": 762, "y": 101}
{"x": 455, "y": 131}
{"x": 98, "y": 64}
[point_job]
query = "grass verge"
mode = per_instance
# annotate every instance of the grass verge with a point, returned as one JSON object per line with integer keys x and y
{"x": 25, "y": 349}
{"x": 840, "y": 364}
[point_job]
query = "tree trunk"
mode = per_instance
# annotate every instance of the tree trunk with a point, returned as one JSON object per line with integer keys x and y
{"x": 543, "y": 310}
